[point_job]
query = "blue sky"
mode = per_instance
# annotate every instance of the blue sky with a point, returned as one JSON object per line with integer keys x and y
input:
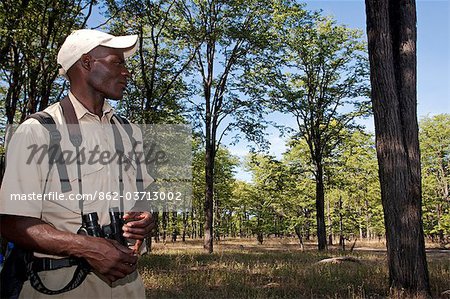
{"x": 433, "y": 66}
{"x": 432, "y": 46}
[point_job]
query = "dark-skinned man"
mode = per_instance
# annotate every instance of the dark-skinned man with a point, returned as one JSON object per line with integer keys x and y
{"x": 94, "y": 64}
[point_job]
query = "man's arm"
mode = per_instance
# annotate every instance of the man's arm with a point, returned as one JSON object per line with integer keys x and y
{"x": 107, "y": 257}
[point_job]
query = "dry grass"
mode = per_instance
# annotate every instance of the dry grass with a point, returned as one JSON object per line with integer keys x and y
{"x": 277, "y": 269}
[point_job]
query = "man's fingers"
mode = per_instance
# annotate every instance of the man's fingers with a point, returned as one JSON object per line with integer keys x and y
{"x": 136, "y": 233}
{"x": 130, "y": 259}
{"x": 126, "y": 268}
{"x": 137, "y": 246}
{"x": 133, "y": 215}
{"x": 142, "y": 222}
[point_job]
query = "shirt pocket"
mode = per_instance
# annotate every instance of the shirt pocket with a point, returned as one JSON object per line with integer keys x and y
{"x": 93, "y": 180}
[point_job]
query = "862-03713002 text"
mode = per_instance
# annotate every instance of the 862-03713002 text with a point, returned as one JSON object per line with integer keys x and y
{"x": 100, "y": 195}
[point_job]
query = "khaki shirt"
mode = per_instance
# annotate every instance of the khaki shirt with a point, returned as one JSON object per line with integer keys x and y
{"x": 27, "y": 174}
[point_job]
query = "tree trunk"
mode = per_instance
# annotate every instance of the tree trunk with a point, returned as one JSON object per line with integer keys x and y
{"x": 174, "y": 227}
{"x": 164, "y": 225}
{"x": 341, "y": 226}
{"x": 391, "y": 30}
{"x": 193, "y": 225}
{"x": 320, "y": 207}
{"x": 148, "y": 242}
{"x": 330, "y": 225}
{"x": 209, "y": 197}
{"x": 185, "y": 224}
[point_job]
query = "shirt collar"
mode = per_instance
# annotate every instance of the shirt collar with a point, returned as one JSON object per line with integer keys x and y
{"x": 81, "y": 111}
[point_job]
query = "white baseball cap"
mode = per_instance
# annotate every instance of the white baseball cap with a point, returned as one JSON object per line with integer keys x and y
{"x": 82, "y": 41}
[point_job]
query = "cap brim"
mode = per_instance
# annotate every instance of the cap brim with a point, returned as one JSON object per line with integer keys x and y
{"x": 123, "y": 42}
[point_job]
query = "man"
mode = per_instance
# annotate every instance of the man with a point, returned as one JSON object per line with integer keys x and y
{"x": 93, "y": 62}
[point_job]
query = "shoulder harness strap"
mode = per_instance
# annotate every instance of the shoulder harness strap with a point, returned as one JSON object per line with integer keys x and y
{"x": 54, "y": 149}
{"x": 75, "y": 138}
{"x": 127, "y": 126}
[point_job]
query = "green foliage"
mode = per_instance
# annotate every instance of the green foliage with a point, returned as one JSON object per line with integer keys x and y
{"x": 267, "y": 205}
{"x": 157, "y": 86}
{"x": 354, "y": 192}
{"x": 32, "y": 33}
{"x": 299, "y": 199}
{"x": 285, "y": 190}
{"x": 435, "y": 152}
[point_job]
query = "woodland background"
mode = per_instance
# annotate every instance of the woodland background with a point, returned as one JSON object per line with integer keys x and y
{"x": 224, "y": 67}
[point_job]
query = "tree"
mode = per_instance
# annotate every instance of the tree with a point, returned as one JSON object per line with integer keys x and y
{"x": 435, "y": 151}
{"x": 232, "y": 32}
{"x": 318, "y": 78}
{"x": 157, "y": 88}
{"x": 299, "y": 198}
{"x": 242, "y": 199}
{"x": 269, "y": 178}
{"x": 354, "y": 187}
{"x": 225, "y": 165}
{"x": 392, "y": 34}
{"x": 29, "y": 44}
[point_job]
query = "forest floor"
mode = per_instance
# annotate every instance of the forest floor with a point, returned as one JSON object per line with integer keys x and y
{"x": 279, "y": 268}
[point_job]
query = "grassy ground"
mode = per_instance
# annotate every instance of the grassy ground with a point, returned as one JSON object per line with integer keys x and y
{"x": 276, "y": 269}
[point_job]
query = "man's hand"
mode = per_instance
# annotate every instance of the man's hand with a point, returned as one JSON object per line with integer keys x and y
{"x": 138, "y": 226}
{"x": 106, "y": 257}
{"x": 109, "y": 258}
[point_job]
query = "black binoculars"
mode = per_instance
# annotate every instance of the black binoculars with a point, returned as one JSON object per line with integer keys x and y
{"x": 113, "y": 231}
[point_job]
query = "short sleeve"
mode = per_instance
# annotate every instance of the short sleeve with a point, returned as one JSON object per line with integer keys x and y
{"x": 26, "y": 167}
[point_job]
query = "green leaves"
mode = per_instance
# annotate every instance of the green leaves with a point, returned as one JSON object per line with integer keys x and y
{"x": 435, "y": 154}
{"x": 33, "y": 33}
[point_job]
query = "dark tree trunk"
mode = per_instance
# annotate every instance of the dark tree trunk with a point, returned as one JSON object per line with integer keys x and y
{"x": 391, "y": 30}
{"x": 209, "y": 197}
{"x": 185, "y": 224}
{"x": 320, "y": 208}
{"x": 165, "y": 219}
{"x": 260, "y": 237}
{"x": 193, "y": 225}
{"x": 154, "y": 233}
{"x": 174, "y": 226}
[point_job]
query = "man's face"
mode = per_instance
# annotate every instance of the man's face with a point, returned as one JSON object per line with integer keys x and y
{"x": 108, "y": 74}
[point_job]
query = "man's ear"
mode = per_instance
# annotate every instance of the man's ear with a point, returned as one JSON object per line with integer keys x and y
{"x": 86, "y": 61}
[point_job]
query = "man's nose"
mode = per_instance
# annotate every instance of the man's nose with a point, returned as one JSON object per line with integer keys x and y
{"x": 125, "y": 72}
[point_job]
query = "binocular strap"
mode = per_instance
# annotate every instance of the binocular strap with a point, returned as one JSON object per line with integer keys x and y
{"x": 35, "y": 266}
